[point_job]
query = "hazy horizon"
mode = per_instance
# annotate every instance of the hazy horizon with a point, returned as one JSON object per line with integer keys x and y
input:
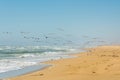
{"x": 63, "y": 22}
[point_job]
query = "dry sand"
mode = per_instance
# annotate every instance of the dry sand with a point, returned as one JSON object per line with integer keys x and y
{"x": 101, "y": 63}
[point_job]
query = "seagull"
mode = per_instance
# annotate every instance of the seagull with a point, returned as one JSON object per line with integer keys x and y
{"x": 46, "y": 37}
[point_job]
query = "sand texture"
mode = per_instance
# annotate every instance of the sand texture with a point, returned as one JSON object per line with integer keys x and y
{"x": 100, "y": 63}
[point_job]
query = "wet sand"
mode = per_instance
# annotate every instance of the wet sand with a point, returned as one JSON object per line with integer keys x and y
{"x": 100, "y": 63}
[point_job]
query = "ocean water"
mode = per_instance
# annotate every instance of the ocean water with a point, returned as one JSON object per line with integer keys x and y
{"x": 19, "y": 57}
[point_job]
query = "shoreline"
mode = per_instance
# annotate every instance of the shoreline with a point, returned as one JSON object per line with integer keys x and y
{"x": 30, "y": 69}
{"x": 33, "y": 68}
{"x": 100, "y": 63}
{"x": 23, "y": 71}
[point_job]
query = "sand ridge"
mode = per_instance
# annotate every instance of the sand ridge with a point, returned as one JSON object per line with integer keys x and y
{"x": 100, "y": 63}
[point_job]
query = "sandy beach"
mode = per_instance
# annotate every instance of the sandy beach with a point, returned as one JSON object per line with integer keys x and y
{"x": 100, "y": 63}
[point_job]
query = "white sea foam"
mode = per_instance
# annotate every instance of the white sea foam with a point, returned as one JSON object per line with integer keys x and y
{"x": 17, "y": 57}
{"x": 27, "y": 55}
{"x": 8, "y": 65}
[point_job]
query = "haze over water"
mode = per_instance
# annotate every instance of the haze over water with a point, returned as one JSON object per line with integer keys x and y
{"x": 64, "y": 20}
{"x": 33, "y": 31}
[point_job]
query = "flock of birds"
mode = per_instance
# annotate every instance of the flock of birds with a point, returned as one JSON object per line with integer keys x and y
{"x": 54, "y": 38}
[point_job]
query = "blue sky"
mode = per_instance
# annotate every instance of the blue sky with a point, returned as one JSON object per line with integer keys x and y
{"x": 94, "y": 18}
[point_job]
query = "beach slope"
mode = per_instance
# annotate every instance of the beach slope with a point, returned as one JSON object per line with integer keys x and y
{"x": 100, "y": 63}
